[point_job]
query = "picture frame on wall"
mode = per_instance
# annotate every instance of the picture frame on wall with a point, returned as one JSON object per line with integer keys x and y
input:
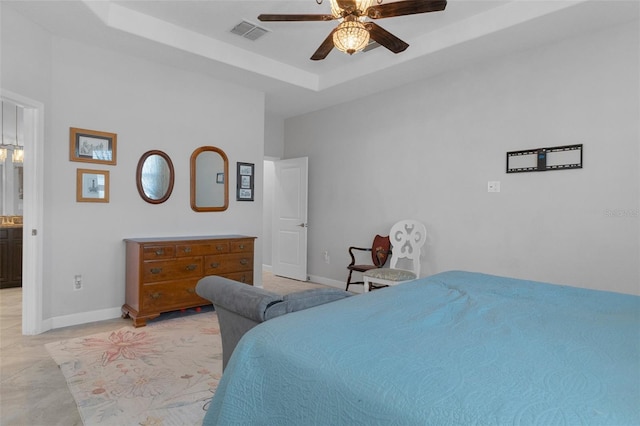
{"x": 92, "y": 186}
{"x": 92, "y": 146}
{"x": 245, "y": 182}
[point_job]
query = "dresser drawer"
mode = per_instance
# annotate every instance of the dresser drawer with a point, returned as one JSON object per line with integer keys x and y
{"x": 243, "y": 277}
{"x": 171, "y": 295}
{"x": 240, "y": 246}
{"x": 218, "y": 247}
{"x": 158, "y": 252}
{"x": 221, "y": 264}
{"x": 164, "y": 270}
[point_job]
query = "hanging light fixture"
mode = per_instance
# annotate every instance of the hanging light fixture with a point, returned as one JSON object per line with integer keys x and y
{"x": 350, "y": 37}
{"x": 12, "y": 144}
{"x": 3, "y": 148}
{"x": 361, "y": 7}
{"x": 18, "y": 150}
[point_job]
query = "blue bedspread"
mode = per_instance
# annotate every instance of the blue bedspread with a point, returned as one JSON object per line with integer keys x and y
{"x": 454, "y": 348}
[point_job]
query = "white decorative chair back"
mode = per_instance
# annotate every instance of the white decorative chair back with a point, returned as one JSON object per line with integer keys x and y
{"x": 407, "y": 238}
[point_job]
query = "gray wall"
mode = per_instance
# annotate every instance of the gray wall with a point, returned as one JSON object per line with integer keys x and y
{"x": 426, "y": 151}
{"x": 149, "y": 106}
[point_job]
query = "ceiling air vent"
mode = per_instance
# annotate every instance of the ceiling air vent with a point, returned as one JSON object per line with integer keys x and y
{"x": 248, "y": 30}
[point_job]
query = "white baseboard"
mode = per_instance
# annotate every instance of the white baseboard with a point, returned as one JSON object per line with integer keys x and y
{"x": 326, "y": 281}
{"x": 84, "y": 317}
{"x": 335, "y": 283}
{"x": 323, "y": 280}
{"x": 111, "y": 313}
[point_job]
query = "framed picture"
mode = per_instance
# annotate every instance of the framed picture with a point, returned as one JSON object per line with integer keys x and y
{"x": 220, "y": 178}
{"x": 245, "y": 194}
{"x": 245, "y": 182}
{"x": 92, "y": 186}
{"x": 91, "y": 146}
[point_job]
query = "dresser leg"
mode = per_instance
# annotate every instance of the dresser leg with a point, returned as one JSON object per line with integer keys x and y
{"x": 139, "y": 322}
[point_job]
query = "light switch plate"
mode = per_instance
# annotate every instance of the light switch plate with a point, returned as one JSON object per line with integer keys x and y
{"x": 493, "y": 186}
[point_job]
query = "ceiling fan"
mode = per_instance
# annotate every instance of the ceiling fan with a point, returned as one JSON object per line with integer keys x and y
{"x": 354, "y": 31}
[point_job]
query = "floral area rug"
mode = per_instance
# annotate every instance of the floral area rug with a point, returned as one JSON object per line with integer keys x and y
{"x": 161, "y": 374}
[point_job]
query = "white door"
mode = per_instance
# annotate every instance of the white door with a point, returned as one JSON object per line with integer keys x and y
{"x": 289, "y": 249}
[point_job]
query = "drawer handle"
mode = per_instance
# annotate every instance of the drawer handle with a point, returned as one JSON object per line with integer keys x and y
{"x": 241, "y": 246}
{"x": 243, "y": 261}
{"x": 191, "y": 290}
{"x": 159, "y": 252}
{"x": 215, "y": 265}
{"x": 155, "y": 295}
{"x": 156, "y": 270}
{"x": 191, "y": 267}
{"x": 243, "y": 279}
{"x": 219, "y": 248}
{"x": 187, "y": 249}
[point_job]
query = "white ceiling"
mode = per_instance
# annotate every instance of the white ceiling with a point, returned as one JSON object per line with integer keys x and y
{"x": 195, "y": 35}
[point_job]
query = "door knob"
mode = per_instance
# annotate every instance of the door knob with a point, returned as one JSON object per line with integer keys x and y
{"x": 303, "y": 225}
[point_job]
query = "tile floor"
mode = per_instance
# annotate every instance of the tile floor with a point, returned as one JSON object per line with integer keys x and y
{"x": 33, "y": 391}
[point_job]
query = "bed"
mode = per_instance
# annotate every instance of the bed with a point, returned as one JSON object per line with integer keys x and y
{"x": 454, "y": 348}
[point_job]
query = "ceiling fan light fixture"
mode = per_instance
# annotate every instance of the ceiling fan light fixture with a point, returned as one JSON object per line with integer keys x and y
{"x": 361, "y": 6}
{"x": 350, "y": 37}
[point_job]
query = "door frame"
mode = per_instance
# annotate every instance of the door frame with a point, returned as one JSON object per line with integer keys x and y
{"x": 33, "y": 200}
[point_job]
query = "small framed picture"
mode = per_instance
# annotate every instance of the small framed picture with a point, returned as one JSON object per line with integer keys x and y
{"x": 92, "y": 146}
{"x": 245, "y": 169}
{"x": 245, "y": 194}
{"x": 92, "y": 186}
{"x": 245, "y": 182}
{"x": 220, "y": 178}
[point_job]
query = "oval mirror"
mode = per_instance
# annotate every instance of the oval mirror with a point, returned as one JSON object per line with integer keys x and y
{"x": 209, "y": 179}
{"x": 155, "y": 176}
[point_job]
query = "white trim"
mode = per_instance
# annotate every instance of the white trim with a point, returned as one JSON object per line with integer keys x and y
{"x": 327, "y": 281}
{"x": 32, "y": 245}
{"x": 85, "y": 317}
{"x": 321, "y": 280}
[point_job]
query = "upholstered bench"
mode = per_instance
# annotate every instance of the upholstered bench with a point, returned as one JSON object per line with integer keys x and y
{"x": 241, "y": 307}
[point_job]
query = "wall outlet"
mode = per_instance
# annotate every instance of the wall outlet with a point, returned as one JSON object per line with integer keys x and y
{"x": 77, "y": 282}
{"x": 493, "y": 186}
{"x": 327, "y": 259}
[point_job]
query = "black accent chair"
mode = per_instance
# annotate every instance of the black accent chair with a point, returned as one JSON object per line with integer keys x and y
{"x": 380, "y": 250}
{"x": 241, "y": 307}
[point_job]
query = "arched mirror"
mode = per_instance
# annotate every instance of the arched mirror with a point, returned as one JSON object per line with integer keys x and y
{"x": 155, "y": 176}
{"x": 209, "y": 179}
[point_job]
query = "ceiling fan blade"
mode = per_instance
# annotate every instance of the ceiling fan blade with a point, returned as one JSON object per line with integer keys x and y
{"x": 407, "y": 7}
{"x": 324, "y": 49}
{"x": 279, "y": 18}
{"x": 385, "y": 38}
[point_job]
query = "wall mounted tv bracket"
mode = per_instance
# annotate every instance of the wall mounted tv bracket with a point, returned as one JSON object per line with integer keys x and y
{"x": 543, "y": 159}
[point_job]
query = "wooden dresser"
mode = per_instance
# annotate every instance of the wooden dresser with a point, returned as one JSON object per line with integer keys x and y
{"x": 162, "y": 273}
